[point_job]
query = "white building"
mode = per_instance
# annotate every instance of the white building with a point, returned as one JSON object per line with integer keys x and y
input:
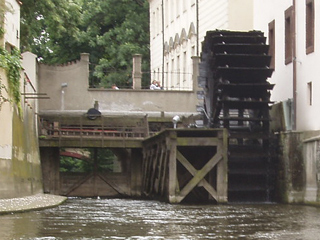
{"x": 293, "y": 37}
{"x": 12, "y": 23}
{"x": 177, "y": 28}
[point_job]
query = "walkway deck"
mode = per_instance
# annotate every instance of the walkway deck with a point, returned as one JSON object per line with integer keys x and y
{"x": 28, "y": 203}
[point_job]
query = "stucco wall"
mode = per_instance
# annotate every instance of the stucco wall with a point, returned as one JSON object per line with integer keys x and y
{"x": 20, "y": 170}
{"x": 306, "y": 64}
{"x": 77, "y": 97}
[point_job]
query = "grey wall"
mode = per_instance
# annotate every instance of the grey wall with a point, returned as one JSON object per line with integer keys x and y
{"x": 77, "y": 96}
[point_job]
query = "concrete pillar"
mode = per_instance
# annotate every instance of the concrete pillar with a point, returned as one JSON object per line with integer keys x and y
{"x": 136, "y": 172}
{"x": 195, "y": 72}
{"x": 136, "y": 71}
{"x": 50, "y": 163}
{"x": 84, "y": 57}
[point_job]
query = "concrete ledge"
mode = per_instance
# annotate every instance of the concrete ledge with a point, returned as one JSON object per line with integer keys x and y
{"x": 28, "y": 203}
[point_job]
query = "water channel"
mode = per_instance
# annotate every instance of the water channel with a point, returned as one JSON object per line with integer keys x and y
{"x": 138, "y": 219}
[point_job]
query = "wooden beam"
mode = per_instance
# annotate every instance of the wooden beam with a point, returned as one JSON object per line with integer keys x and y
{"x": 199, "y": 176}
{"x": 200, "y": 141}
{"x": 172, "y": 167}
{"x": 222, "y": 170}
{"x": 193, "y": 172}
{"x": 112, "y": 185}
{"x": 78, "y": 184}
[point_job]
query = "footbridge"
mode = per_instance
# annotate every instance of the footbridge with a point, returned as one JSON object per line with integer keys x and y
{"x": 155, "y": 160}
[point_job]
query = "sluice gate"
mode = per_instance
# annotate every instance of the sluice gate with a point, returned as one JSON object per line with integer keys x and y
{"x": 233, "y": 74}
{"x": 181, "y": 165}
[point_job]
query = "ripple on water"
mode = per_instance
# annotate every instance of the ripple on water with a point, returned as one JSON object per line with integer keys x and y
{"x": 137, "y": 219}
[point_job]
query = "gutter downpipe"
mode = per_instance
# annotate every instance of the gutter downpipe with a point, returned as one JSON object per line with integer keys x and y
{"x": 162, "y": 9}
{"x": 197, "y": 19}
{"x": 294, "y": 66}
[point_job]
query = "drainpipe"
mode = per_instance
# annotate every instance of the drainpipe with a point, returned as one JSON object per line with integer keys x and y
{"x": 197, "y": 19}
{"x": 162, "y": 43}
{"x": 294, "y": 66}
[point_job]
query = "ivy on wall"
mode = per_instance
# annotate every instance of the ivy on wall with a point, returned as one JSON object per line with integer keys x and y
{"x": 11, "y": 63}
{"x": 2, "y": 98}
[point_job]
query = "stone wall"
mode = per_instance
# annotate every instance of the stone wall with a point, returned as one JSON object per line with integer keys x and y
{"x": 299, "y": 167}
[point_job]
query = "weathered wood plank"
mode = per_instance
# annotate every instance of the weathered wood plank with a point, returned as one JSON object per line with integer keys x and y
{"x": 155, "y": 161}
{"x": 160, "y": 170}
{"x": 172, "y": 168}
{"x": 222, "y": 170}
{"x": 193, "y": 172}
{"x": 78, "y": 184}
{"x": 200, "y": 141}
{"x": 199, "y": 176}
{"x": 165, "y": 172}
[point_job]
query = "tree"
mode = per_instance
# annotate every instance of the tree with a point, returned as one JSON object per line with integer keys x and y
{"x": 105, "y": 159}
{"x": 50, "y": 30}
{"x": 111, "y": 31}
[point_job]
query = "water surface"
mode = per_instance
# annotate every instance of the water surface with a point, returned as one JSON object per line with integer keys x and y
{"x": 138, "y": 219}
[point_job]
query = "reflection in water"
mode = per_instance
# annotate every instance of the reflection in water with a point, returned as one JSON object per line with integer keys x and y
{"x": 137, "y": 219}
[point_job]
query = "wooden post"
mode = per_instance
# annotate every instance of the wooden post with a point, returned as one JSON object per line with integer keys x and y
{"x": 50, "y": 163}
{"x": 222, "y": 169}
{"x": 172, "y": 140}
{"x": 136, "y": 172}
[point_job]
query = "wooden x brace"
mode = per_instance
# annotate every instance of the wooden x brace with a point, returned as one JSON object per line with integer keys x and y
{"x": 198, "y": 175}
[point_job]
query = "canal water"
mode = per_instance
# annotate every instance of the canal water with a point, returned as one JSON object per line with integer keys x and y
{"x": 138, "y": 219}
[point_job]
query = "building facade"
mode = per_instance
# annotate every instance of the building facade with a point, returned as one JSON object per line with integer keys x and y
{"x": 292, "y": 27}
{"x": 177, "y": 29}
{"x": 293, "y": 37}
{"x": 20, "y": 169}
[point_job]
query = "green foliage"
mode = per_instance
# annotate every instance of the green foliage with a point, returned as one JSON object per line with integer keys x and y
{"x": 122, "y": 32}
{"x": 69, "y": 164}
{"x": 111, "y": 31}
{"x": 2, "y": 12}
{"x": 50, "y": 30}
{"x": 2, "y": 98}
{"x": 12, "y": 64}
{"x": 105, "y": 160}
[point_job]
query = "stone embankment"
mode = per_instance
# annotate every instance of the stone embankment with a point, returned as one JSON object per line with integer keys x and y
{"x": 28, "y": 203}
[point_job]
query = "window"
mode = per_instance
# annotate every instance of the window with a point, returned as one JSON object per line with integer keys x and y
{"x": 288, "y": 35}
{"x": 178, "y": 73}
{"x": 184, "y": 5}
{"x": 184, "y": 68}
{"x": 310, "y": 92}
{"x": 309, "y": 26}
{"x": 153, "y": 32}
{"x": 167, "y": 15}
{"x": 272, "y": 42}
{"x": 178, "y": 8}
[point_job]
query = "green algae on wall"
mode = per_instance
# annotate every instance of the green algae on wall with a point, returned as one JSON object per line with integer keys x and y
{"x": 26, "y": 168}
{"x": 291, "y": 169}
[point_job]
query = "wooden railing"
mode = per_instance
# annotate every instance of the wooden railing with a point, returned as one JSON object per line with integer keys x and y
{"x": 104, "y": 127}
